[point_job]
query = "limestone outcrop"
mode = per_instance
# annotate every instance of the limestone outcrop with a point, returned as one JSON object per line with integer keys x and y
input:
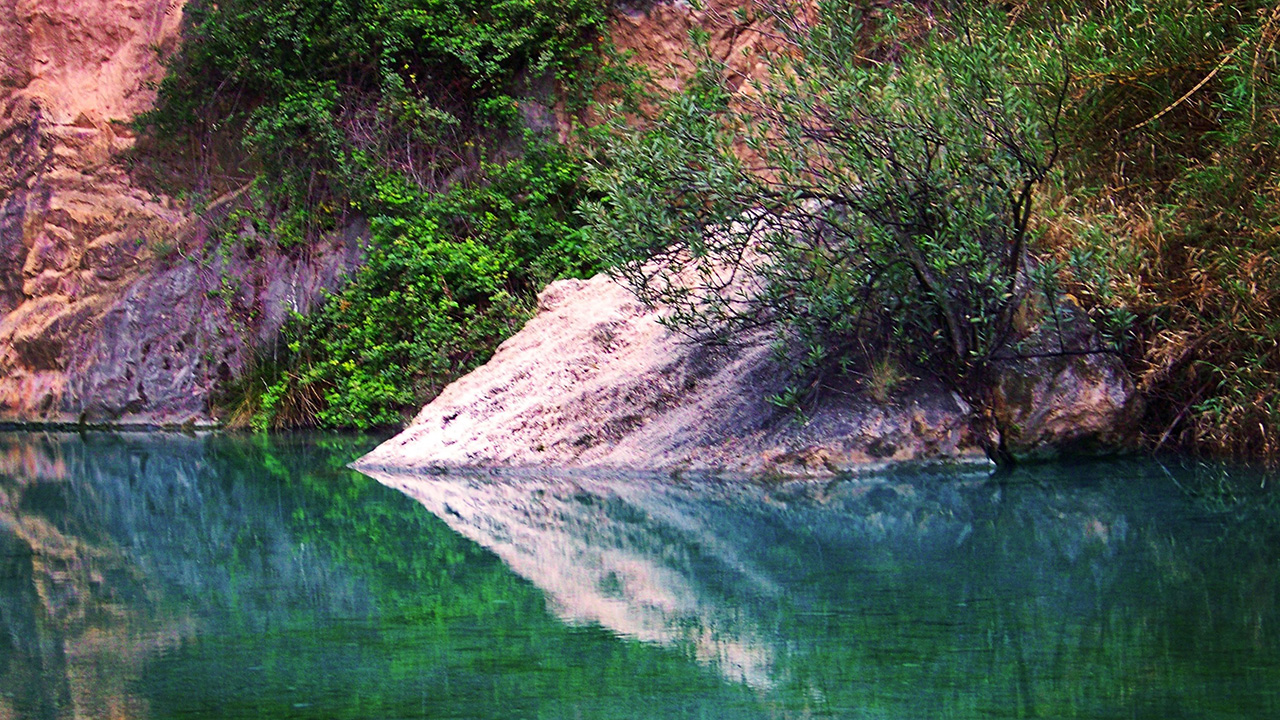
{"x": 594, "y": 380}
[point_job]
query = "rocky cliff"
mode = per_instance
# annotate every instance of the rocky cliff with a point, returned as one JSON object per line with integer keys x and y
{"x": 120, "y": 305}
{"x": 116, "y": 304}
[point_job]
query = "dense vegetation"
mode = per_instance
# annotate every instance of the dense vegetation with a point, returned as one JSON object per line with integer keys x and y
{"x": 956, "y": 170}
{"x": 448, "y": 276}
{"x": 404, "y": 116}
{"x": 908, "y": 180}
{"x": 879, "y": 207}
{"x": 1175, "y": 120}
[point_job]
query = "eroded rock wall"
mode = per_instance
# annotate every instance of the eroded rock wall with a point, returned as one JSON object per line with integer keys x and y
{"x": 114, "y": 306}
{"x": 656, "y": 34}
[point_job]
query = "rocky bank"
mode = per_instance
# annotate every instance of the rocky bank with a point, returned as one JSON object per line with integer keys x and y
{"x": 120, "y": 305}
{"x": 594, "y": 380}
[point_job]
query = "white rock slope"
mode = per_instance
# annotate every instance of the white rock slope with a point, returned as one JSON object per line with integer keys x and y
{"x": 594, "y": 381}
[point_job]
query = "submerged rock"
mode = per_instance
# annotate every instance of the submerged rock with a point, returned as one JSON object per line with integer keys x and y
{"x": 594, "y": 380}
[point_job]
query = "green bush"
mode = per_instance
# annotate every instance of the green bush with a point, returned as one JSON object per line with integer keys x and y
{"x": 851, "y": 204}
{"x": 400, "y": 115}
{"x": 247, "y": 58}
{"x": 447, "y": 279}
{"x": 1160, "y": 216}
{"x": 328, "y": 97}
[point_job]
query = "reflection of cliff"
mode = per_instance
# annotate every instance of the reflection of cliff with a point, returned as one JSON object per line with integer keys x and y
{"x": 867, "y": 589}
{"x": 65, "y": 610}
{"x": 116, "y": 548}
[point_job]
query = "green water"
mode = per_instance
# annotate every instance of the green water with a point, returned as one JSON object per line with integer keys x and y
{"x": 175, "y": 577}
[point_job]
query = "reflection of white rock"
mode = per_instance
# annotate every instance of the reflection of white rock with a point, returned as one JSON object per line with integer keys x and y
{"x": 619, "y": 554}
{"x": 867, "y": 592}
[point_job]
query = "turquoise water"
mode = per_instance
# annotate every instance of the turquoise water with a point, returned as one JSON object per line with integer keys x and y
{"x": 152, "y": 576}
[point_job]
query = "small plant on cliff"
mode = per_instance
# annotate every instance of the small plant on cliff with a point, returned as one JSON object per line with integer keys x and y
{"x": 449, "y": 279}
{"x": 870, "y": 193}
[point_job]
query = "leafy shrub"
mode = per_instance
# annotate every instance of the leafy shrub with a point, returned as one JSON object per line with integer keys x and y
{"x": 446, "y": 280}
{"x": 324, "y": 93}
{"x": 1161, "y": 216}
{"x": 852, "y": 205}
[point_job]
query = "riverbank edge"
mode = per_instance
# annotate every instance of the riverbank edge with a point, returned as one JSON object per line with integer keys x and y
{"x": 596, "y": 380}
{"x": 188, "y": 427}
{"x": 390, "y": 474}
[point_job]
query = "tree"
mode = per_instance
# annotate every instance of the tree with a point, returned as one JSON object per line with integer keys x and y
{"x": 871, "y": 194}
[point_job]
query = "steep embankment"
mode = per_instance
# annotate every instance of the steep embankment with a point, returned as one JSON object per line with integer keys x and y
{"x": 119, "y": 305}
{"x": 595, "y": 381}
{"x": 114, "y": 306}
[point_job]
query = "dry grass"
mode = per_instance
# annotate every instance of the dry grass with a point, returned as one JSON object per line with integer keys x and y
{"x": 1205, "y": 289}
{"x": 884, "y": 377}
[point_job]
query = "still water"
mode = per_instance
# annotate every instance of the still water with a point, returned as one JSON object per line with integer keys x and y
{"x": 152, "y": 576}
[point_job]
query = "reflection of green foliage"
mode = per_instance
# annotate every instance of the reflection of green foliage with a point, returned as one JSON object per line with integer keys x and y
{"x": 449, "y": 630}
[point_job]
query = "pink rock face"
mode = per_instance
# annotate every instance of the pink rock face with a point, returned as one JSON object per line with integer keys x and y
{"x": 107, "y": 313}
{"x": 51, "y": 252}
{"x": 94, "y": 58}
{"x": 71, "y": 71}
{"x": 658, "y": 37}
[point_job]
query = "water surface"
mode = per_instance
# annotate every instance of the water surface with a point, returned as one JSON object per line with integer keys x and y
{"x": 152, "y": 576}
